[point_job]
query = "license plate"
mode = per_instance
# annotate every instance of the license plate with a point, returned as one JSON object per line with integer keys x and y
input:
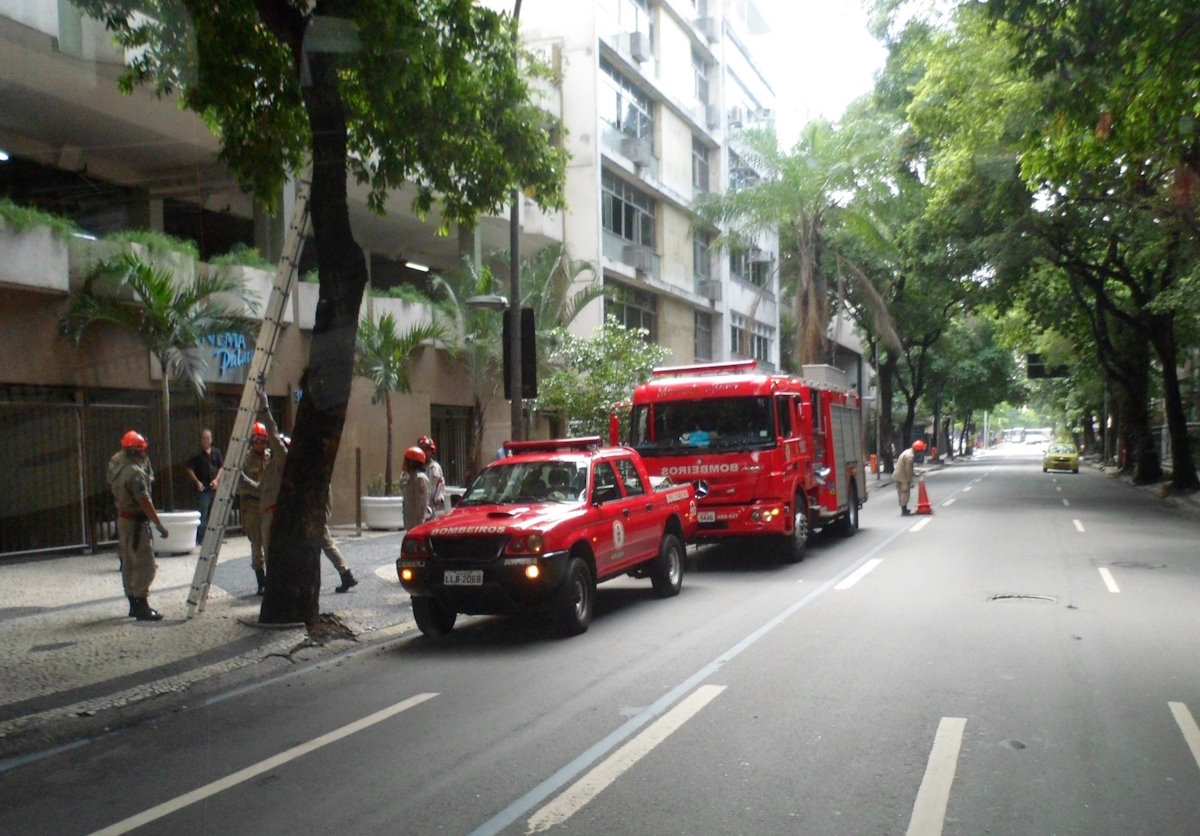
{"x": 707, "y": 516}
{"x": 463, "y": 577}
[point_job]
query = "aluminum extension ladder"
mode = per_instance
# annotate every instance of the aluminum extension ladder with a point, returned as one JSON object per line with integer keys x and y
{"x": 264, "y": 352}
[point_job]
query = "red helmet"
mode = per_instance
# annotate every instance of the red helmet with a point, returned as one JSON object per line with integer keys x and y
{"x": 414, "y": 454}
{"x": 134, "y": 441}
{"x": 260, "y": 430}
{"x": 426, "y": 443}
{"x": 918, "y": 445}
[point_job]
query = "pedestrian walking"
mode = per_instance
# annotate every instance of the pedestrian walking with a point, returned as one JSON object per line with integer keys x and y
{"x": 433, "y": 469}
{"x": 205, "y": 469}
{"x": 253, "y": 465}
{"x": 416, "y": 490}
{"x": 129, "y": 477}
{"x": 904, "y": 474}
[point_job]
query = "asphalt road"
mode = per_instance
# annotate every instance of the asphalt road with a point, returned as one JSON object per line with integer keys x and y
{"x": 1020, "y": 662}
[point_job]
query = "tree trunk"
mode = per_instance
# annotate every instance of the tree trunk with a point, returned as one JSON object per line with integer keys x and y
{"x": 1183, "y": 469}
{"x": 387, "y": 465}
{"x": 293, "y": 560}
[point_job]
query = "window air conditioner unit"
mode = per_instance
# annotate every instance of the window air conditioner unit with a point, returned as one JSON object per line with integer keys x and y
{"x": 712, "y": 116}
{"x": 639, "y": 47}
{"x": 638, "y": 150}
{"x": 761, "y": 257}
{"x": 736, "y": 117}
{"x": 639, "y": 257}
{"x": 711, "y": 290}
{"x": 711, "y": 27}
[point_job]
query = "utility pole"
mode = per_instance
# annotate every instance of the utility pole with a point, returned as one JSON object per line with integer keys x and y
{"x": 517, "y": 415}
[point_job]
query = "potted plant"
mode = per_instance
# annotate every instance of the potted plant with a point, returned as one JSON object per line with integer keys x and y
{"x": 384, "y": 357}
{"x": 171, "y": 318}
{"x": 34, "y": 247}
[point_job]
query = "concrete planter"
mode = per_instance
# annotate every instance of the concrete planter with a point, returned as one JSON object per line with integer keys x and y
{"x": 34, "y": 258}
{"x": 383, "y": 512}
{"x": 181, "y": 529}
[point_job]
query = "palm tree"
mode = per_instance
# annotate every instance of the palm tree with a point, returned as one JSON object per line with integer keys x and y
{"x": 552, "y": 283}
{"x": 384, "y": 357}
{"x": 171, "y": 318}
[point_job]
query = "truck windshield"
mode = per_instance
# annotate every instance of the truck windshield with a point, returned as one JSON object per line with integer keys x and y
{"x": 668, "y": 427}
{"x": 528, "y": 482}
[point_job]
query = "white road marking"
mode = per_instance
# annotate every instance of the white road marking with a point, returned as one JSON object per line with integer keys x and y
{"x": 858, "y": 574}
{"x": 243, "y": 775}
{"x": 1058, "y": 489}
{"x": 949, "y": 501}
{"x": 1078, "y": 526}
{"x": 967, "y": 488}
{"x": 1066, "y": 502}
{"x": 615, "y": 765}
{"x": 921, "y": 524}
{"x": 1108, "y": 580}
{"x": 929, "y": 810}
{"x": 1187, "y": 725}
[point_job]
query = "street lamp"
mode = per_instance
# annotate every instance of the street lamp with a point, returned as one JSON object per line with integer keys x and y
{"x": 487, "y": 302}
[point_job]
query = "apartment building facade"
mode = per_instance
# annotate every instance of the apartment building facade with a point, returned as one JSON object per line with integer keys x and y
{"x": 653, "y": 96}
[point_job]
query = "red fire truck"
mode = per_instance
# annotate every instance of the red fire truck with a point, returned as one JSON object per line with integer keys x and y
{"x": 772, "y": 456}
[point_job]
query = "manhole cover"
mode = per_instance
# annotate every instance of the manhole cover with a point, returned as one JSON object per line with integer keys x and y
{"x": 1022, "y": 596}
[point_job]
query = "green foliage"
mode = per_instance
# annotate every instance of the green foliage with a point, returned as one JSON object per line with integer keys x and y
{"x": 593, "y": 374}
{"x": 404, "y": 292}
{"x": 23, "y": 219}
{"x": 242, "y": 255}
{"x": 158, "y": 243}
{"x": 418, "y": 82}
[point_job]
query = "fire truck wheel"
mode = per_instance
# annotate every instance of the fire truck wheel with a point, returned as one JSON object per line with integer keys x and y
{"x": 432, "y": 618}
{"x": 575, "y": 598}
{"x": 667, "y": 571}
{"x": 793, "y": 545}
{"x": 848, "y": 524}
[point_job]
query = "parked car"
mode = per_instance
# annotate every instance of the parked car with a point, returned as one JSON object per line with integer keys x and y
{"x": 1061, "y": 456}
{"x": 1035, "y": 438}
{"x": 538, "y": 529}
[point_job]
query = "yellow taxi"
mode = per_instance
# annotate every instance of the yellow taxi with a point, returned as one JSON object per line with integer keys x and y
{"x": 1061, "y": 455}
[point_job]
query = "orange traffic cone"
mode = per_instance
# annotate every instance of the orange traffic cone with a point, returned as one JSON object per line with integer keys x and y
{"x": 923, "y": 506}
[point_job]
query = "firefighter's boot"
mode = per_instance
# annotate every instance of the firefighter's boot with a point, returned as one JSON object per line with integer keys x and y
{"x": 144, "y": 612}
{"x": 348, "y": 580}
{"x": 261, "y": 576}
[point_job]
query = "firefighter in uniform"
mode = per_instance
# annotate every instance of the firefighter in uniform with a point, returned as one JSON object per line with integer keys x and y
{"x": 904, "y": 474}
{"x": 253, "y": 465}
{"x": 129, "y": 477}
{"x": 417, "y": 491}
{"x": 437, "y": 480}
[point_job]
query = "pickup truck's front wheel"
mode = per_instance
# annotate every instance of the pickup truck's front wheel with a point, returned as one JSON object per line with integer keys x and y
{"x": 432, "y": 618}
{"x": 575, "y": 598}
{"x": 666, "y": 573}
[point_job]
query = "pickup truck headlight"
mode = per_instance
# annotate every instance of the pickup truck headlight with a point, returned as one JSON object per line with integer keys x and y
{"x": 417, "y": 547}
{"x": 531, "y": 543}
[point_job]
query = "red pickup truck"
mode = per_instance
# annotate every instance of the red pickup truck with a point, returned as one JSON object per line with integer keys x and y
{"x": 538, "y": 529}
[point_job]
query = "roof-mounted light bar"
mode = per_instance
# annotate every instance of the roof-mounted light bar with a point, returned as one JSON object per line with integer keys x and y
{"x": 552, "y": 445}
{"x": 706, "y": 368}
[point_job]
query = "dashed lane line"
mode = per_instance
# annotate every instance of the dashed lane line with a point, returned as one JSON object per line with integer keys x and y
{"x": 242, "y": 775}
{"x": 858, "y": 574}
{"x": 1078, "y": 526}
{"x": 1187, "y": 725}
{"x": 1108, "y": 579}
{"x": 615, "y": 765}
{"x": 918, "y": 526}
{"x": 929, "y": 810}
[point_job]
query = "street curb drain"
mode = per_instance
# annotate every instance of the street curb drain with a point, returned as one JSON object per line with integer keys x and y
{"x": 1022, "y": 596}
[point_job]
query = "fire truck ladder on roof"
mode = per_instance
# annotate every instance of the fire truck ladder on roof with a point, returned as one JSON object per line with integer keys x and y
{"x": 264, "y": 352}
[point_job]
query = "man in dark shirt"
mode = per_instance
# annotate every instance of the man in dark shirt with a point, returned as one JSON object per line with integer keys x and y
{"x": 205, "y": 470}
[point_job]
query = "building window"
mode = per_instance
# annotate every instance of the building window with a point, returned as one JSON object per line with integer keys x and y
{"x": 761, "y": 343}
{"x": 737, "y": 336}
{"x": 634, "y": 16}
{"x": 624, "y": 106}
{"x": 628, "y": 211}
{"x": 702, "y": 254}
{"x": 700, "y": 169}
{"x": 750, "y": 265}
{"x": 700, "y": 72}
{"x": 703, "y": 340}
{"x": 741, "y": 175}
{"x": 633, "y": 308}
